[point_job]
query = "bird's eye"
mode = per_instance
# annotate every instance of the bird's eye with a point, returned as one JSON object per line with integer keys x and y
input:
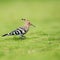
{"x": 29, "y": 23}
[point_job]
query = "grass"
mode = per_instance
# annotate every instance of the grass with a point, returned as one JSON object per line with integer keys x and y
{"x": 42, "y": 42}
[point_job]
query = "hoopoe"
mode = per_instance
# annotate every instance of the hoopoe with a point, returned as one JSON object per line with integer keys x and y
{"x": 21, "y": 30}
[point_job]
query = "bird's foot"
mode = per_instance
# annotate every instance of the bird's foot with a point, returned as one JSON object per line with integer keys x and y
{"x": 23, "y": 37}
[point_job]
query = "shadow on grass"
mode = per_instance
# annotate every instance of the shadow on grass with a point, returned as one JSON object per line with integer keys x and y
{"x": 14, "y": 38}
{"x": 19, "y": 38}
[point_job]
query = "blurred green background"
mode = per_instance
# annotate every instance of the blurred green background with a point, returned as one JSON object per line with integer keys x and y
{"x": 42, "y": 42}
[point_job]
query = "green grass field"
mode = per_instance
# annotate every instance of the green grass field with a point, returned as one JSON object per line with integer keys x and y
{"x": 42, "y": 42}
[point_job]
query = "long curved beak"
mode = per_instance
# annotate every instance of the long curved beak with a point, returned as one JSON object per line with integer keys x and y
{"x": 33, "y": 25}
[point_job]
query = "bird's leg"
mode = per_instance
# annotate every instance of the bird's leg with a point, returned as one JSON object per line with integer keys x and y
{"x": 23, "y": 37}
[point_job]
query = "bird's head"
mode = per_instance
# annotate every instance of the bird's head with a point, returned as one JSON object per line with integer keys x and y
{"x": 27, "y": 22}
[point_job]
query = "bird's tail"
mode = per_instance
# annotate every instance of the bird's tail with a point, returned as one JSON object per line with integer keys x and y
{"x": 4, "y": 35}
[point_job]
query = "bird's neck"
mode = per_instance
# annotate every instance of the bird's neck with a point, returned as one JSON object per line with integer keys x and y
{"x": 26, "y": 27}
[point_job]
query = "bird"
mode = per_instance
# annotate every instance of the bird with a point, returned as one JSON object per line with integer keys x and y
{"x": 21, "y": 31}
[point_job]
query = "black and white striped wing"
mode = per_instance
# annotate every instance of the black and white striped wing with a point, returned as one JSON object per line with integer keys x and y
{"x": 19, "y": 31}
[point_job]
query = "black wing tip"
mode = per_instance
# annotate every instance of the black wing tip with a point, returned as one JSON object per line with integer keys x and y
{"x": 4, "y": 35}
